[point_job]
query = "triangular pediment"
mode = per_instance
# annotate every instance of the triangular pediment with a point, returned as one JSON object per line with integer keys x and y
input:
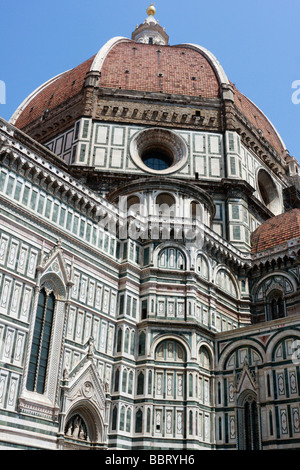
{"x": 246, "y": 380}
{"x": 54, "y": 262}
{"x": 84, "y": 383}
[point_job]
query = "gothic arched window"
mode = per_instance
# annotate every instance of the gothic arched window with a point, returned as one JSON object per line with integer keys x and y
{"x": 276, "y": 305}
{"x": 124, "y": 381}
{"x": 150, "y": 382}
{"x": 248, "y": 422}
{"x": 114, "y": 419}
{"x": 130, "y": 382}
{"x": 119, "y": 340}
{"x": 122, "y": 418}
{"x": 38, "y": 361}
{"x": 139, "y": 421}
{"x": 126, "y": 345}
{"x": 128, "y": 420}
{"x": 117, "y": 379}
{"x": 140, "y": 384}
{"x": 142, "y": 341}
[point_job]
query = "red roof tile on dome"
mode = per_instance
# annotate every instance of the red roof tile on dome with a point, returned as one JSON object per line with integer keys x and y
{"x": 258, "y": 119}
{"x": 184, "y": 71}
{"x": 65, "y": 87}
{"x": 178, "y": 70}
{"x": 276, "y": 231}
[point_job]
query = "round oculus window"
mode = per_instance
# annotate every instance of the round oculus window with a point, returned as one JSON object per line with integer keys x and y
{"x": 158, "y": 151}
{"x": 157, "y": 159}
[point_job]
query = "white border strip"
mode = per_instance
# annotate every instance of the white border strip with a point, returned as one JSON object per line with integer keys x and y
{"x": 212, "y": 60}
{"x": 29, "y": 98}
{"x": 103, "y": 52}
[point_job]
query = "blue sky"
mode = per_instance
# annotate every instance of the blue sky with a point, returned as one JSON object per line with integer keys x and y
{"x": 256, "y": 41}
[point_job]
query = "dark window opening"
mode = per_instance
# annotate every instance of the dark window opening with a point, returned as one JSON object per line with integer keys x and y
{"x": 144, "y": 309}
{"x": 140, "y": 384}
{"x": 157, "y": 159}
{"x": 276, "y": 306}
{"x": 38, "y": 362}
{"x": 249, "y": 435}
{"x": 139, "y": 421}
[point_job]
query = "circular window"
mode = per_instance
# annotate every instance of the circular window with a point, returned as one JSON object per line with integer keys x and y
{"x": 157, "y": 159}
{"x": 158, "y": 151}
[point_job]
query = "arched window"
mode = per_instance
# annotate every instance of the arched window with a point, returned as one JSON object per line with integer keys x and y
{"x": 122, "y": 418}
{"x": 132, "y": 342}
{"x": 170, "y": 351}
{"x": 119, "y": 340}
{"x": 171, "y": 258}
{"x": 190, "y": 385}
{"x": 117, "y": 378}
{"x": 140, "y": 384}
{"x": 276, "y": 305}
{"x": 202, "y": 267}
{"x": 204, "y": 358}
{"x": 148, "y": 420}
{"x": 219, "y": 393}
{"x": 193, "y": 210}
{"x": 124, "y": 381}
{"x": 248, "y": 422}
{"x": 150, "y": 382}
{"x": 114, "y": 419}
{"x": 133, "y": 203}
{"x": 191, "y": 422}
{"x": 38, "y": 361}
{"x": 128, "y": 420}
{"x": 142, "y": 341}
{"x": 139, "y": 421}
{"x": 225, "y": 282}
{"x": 220, "y": 429}
{"x": 130, "y": 382}
{"x": 126, "y": 342}
{"x": 165, "y": 205}
{"x": 271, "y": 423}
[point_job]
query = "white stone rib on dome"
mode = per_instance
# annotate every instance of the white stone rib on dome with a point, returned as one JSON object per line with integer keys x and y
{"x": 224, "y": 79}
{"x": 103, "y": 52}
{"x": 212, "y": 60}
{"x": 27, "y": 100}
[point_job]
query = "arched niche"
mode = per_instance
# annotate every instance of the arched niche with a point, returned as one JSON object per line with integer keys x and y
{"x": 248, "y": 420}
{"x": 134, "y": 204}
{"x": 268, "y": 191}
{"x": 226, "y": 282}
{"x": 165, "y": 205}
{"x": 171, "y": 258}
{"x": 83, "y": 428}
{"x": 205, "y": 358}
{"x": 170, "y": 350}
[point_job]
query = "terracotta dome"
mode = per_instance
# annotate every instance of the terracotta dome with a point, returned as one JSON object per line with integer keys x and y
{"x": 52, "y": 94}
{"x": 187, "y": 70}
{"x": 276, "y": 231}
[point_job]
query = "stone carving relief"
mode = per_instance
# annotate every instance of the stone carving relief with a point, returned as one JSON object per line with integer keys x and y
{"x": 76, "y": 429}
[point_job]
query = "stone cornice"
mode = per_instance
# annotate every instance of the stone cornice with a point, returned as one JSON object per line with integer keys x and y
{"x": 260, "y": 146}
{"x": 37, "y": 163}
{"x": 289, "y": 249}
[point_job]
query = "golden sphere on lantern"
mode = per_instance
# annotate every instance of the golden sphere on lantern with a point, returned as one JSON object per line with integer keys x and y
{"x": 151, "y": 10}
